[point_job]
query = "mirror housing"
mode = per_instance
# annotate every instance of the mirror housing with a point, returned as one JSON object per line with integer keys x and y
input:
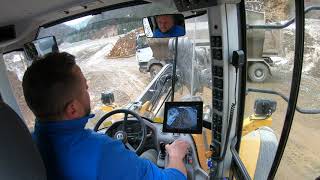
{"x": 164, "y": 26}
{"x": 264, "y": 107}
{"x": 40, "y": 47}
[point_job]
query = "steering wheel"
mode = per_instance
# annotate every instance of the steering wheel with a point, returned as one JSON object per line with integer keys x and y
{"x": 122, "y": 134}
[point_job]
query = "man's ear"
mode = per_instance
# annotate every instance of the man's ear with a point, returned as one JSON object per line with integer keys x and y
{"x": 72, "y": 110}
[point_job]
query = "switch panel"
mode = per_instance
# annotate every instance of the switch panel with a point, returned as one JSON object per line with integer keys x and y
{"x": 217, "y": 71}
{"x": 218, "y": 83}
{"x": 217, "y": 119}
{"x": 218, "y": 94}
{"x": 216, "y": 41}
{"x": 217, "y": 54}
{"x": 218, "y": 105}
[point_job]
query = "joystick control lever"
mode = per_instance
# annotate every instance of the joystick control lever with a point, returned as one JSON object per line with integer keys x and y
{"x": 162, "y": 150}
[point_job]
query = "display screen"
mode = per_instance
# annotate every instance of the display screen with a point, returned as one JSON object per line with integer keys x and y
{"x": 183, "y": 117}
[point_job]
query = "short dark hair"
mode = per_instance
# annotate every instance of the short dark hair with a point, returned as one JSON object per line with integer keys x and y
{"x": 49, "y": 84}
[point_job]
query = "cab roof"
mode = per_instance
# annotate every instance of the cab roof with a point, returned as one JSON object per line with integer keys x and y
{"x": 25, "y": 17}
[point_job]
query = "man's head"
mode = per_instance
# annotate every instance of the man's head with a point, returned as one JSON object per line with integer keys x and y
{"x": 165, "y": 23}
{"x": 55, "y": 88}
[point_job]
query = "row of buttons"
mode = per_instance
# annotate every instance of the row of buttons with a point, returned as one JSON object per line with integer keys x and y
{"x": 218, "y": 105}
{"x": 217, "y": 119}
{"x": 218, "y": 94}
{"x": 216, "y": 47}
{"x": 218, "y": 83}
{"x": 218, "y": 71}
{"x": 217, "y": 126}
{"x": 216, "y": 41}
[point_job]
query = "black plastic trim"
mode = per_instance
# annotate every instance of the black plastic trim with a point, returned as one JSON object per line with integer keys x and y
{"x": 281, "y": 26}
{"x": 174, "y": 69}
{"x": 242, "y": 73}
{"x": 7, "y": 33}
{"x": 198, "y": 13}
{"x": 294, "y": 92}
{"x": 206, "y": 124}
{"x": 238, "y": 163}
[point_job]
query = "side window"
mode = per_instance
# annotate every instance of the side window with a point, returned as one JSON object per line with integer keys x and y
{"x": 270, "y": 55}
{"x": 16, "y": 65}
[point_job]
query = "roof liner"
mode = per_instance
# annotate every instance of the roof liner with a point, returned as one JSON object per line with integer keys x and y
{"x": 14, "y": 11}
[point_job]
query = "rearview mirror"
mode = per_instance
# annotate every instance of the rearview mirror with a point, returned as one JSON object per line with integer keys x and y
{"x": 264, "y": 107}
{"x": 164, "y": 26}
{"x": 40, "y": 47}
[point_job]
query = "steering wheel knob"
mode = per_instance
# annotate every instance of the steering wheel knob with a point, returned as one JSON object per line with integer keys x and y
{"x": 121, "y": 136}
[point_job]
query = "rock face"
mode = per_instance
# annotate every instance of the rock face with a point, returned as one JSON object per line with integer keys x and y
{"x": 311, "y": 63}
{"x": 126, "y": 45}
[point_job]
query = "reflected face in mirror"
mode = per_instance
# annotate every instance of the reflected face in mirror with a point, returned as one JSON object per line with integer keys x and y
{"x": 165, "y": 23}
{"x": 164, "y": 26}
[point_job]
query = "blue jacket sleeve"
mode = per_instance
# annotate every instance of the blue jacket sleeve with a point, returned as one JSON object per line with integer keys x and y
{"x": 117, "y": 162}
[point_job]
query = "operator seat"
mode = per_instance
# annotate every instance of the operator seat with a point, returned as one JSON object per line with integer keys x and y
{"x": 19, "y": 157}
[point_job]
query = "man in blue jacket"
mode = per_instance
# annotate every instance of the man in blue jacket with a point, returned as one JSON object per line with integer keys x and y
{"x": 56, "y": 92}
{"x": 167, "y": 27}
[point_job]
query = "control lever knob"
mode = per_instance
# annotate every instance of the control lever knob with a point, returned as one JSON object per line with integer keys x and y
{"x": 162, "y": 150}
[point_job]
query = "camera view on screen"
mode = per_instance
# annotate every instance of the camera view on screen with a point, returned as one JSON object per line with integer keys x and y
{"x": 182, "y": 118}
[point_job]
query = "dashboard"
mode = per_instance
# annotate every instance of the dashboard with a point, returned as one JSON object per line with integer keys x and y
{"x": 157, "y": 139}
{"x": 134, "y": 134}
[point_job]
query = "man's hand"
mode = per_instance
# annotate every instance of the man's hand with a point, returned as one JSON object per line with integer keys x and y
{"x": 177, "y": 151}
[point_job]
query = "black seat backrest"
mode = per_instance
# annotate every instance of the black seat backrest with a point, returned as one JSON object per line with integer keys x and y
{"x": 19, "y": 157}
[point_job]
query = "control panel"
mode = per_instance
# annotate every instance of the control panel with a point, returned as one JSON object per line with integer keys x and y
{"x": 163, "y": 157}
{"x": 218, "y": 51}
{"x": 187, "y": 5}
{"x": 217, "y": 73}
{"x": 189, "y": 158}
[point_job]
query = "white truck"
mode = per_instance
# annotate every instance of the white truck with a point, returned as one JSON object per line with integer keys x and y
{"x": 152, "y": 54}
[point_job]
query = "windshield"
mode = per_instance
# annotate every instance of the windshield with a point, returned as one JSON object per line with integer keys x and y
{"x": 124, "y": 69}
{"x": 105, "y": 46}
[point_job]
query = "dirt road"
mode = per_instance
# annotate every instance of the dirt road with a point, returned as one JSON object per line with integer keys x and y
{"x": 120, "y": 76}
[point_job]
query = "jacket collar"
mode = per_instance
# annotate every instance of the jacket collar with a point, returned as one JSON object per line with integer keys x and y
{"x": 62, "y": 125}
